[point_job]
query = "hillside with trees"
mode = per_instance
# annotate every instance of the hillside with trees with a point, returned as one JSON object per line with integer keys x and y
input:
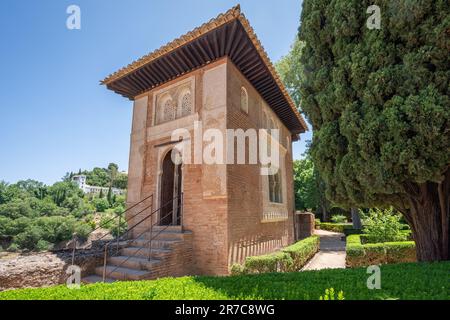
{"x": 36, "y": 217}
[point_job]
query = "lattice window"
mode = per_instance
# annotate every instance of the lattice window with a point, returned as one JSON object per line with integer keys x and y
{"x": 169, "y": 111}
{"x": 186, "y": 104}
{"x": 244, "y": 100}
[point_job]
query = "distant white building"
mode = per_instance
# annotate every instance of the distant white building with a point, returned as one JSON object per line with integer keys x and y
{"x": 80, "y": 180}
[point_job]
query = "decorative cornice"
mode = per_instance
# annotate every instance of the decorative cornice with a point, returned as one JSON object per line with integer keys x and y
{"x": 223, "y": 18}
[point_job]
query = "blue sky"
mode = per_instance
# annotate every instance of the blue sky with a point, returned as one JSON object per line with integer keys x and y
{"x": 54, "y": 115}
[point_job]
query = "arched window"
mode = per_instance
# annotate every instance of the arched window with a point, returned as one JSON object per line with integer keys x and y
{"x": 275, "y": 187}
{"x": 186, "y": 104}
{"x": 244, "y": 100}
{"x": 169, "y": 110}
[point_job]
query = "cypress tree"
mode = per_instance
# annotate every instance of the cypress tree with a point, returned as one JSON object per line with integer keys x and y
{"x": 378, "y": 101}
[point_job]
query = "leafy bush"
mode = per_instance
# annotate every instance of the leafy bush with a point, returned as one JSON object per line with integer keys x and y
{"x": 330, "y": 294}
{"x": 339, "y": 218}
{"x": 428, "y": 284}
{"x": 13, "y": 247}
{"x": 274, "y": 262}
{"x": 302, "y": 251}
{"x": 359, "y": 254}
{"x": 382, "y": 226}
{"x": 110, "y": 221}
{"x": 16, "y": 208}
{"x": 43, "y": 245}
{"x": 100, "y": 204}
{"x": 50, "y": 230}
{"x": 291, "y": 258}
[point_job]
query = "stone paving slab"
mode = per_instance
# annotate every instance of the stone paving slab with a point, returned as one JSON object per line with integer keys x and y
{"x": 331, "y": 254}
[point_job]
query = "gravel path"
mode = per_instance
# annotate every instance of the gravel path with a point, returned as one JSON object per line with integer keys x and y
{"x": 331, "y": 254}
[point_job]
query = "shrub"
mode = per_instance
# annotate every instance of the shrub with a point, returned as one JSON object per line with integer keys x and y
{"x": 330, "y": 294}
{"x": 400, "y": 252}
{"x": 359, "y": 254}
{"x": 274, "y": 262}
{"x": 43, "y": 245}
{"x": 339, "y": 218}
{"x": 14, "y": 247}
{"x": 110, "y": 221}
{"x": 291, "y": 258}
{"x": 407, "y": 281}
{"x": 17, "y": 208}
{"x": 317, "y": 223}
{"x": 302, "y": 251}
{"x": 48, "y": 230}
{"x": 28, "y": 238}
{"x": 382, "y": 226}
{"x": 83, "y": 230}
{"x": 100, "y": 204}
{"x": 335, "y": 227}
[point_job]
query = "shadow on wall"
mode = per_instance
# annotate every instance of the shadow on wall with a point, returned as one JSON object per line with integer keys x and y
{"x": 255, "y": 245}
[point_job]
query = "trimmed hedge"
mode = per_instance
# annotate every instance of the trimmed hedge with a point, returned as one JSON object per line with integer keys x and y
{"x": 335, "y": 227}
{"x": 408, "y": 281}
{"x": 359, "y": 254}
{"x": 291, "y": 258}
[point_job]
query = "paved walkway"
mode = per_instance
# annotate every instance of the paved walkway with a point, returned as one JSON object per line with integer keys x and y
{"x": 331, "y": 254}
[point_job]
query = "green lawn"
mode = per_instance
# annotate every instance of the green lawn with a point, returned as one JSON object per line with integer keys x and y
{"x": 400, "y": 281}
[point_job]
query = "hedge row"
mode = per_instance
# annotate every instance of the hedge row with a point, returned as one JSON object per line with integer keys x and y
{"x": 335, "y": 227}
{"x": 412, "y": 281}
{"x": 291, "y": 258}
{"x": 359, "y": 254}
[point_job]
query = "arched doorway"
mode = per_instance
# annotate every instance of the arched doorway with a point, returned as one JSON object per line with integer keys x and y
{"x": 170, "y": 197}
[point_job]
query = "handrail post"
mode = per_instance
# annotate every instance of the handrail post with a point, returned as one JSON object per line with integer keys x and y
{"x": 104, "y": 262}
{"x": 151, "y": 235}
{"x": 74, "y": 246}
{"x": 118, "y": 233}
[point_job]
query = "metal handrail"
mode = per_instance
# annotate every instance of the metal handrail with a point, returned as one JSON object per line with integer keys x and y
{"x": 74, "y": 236}
{"x": 145, "y": 231}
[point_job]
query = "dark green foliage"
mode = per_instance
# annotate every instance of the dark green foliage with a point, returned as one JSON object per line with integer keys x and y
{"x": 100, "y": 204}
{"x": 359, "y": 254}
{"x": 383, "y": 226}
{"x": 428, "y": 284}
{"x": 34, "y": 216}
{"x": 305, "y": 185}
{"x": 378, "y": 99}
{"x": 335, "y": 227}
{"x": 379, "y": 104}
{"x": 52, "y": 230}
{"x": 291, "y": 258}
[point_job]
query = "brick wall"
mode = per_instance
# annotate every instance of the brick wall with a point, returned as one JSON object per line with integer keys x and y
{"x": 248, "y": 234}
{"x": 223, "y": 204}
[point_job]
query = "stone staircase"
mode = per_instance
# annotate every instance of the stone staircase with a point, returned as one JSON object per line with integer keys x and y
{"x": 171, "y": 255}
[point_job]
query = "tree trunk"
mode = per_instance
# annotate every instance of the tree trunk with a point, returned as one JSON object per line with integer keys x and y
{"x": 429, "y": 218}
{"x": 356, "y": 219}
{"x": 324, "y": 213}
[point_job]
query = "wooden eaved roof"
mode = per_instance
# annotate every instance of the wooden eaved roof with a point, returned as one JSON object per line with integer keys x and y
{"x": 229, "y": 34}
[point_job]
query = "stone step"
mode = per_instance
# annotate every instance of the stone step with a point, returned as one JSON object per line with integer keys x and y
{"x": 122, "y": 273}
{"x": 165, "y": 235}
{"x": 138, "y": 263}
{"x": 158, "y": 244}
{"x": 144, "y": 252}
{"x": 95, "y": 278}
{"x": 168, "y": 228}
